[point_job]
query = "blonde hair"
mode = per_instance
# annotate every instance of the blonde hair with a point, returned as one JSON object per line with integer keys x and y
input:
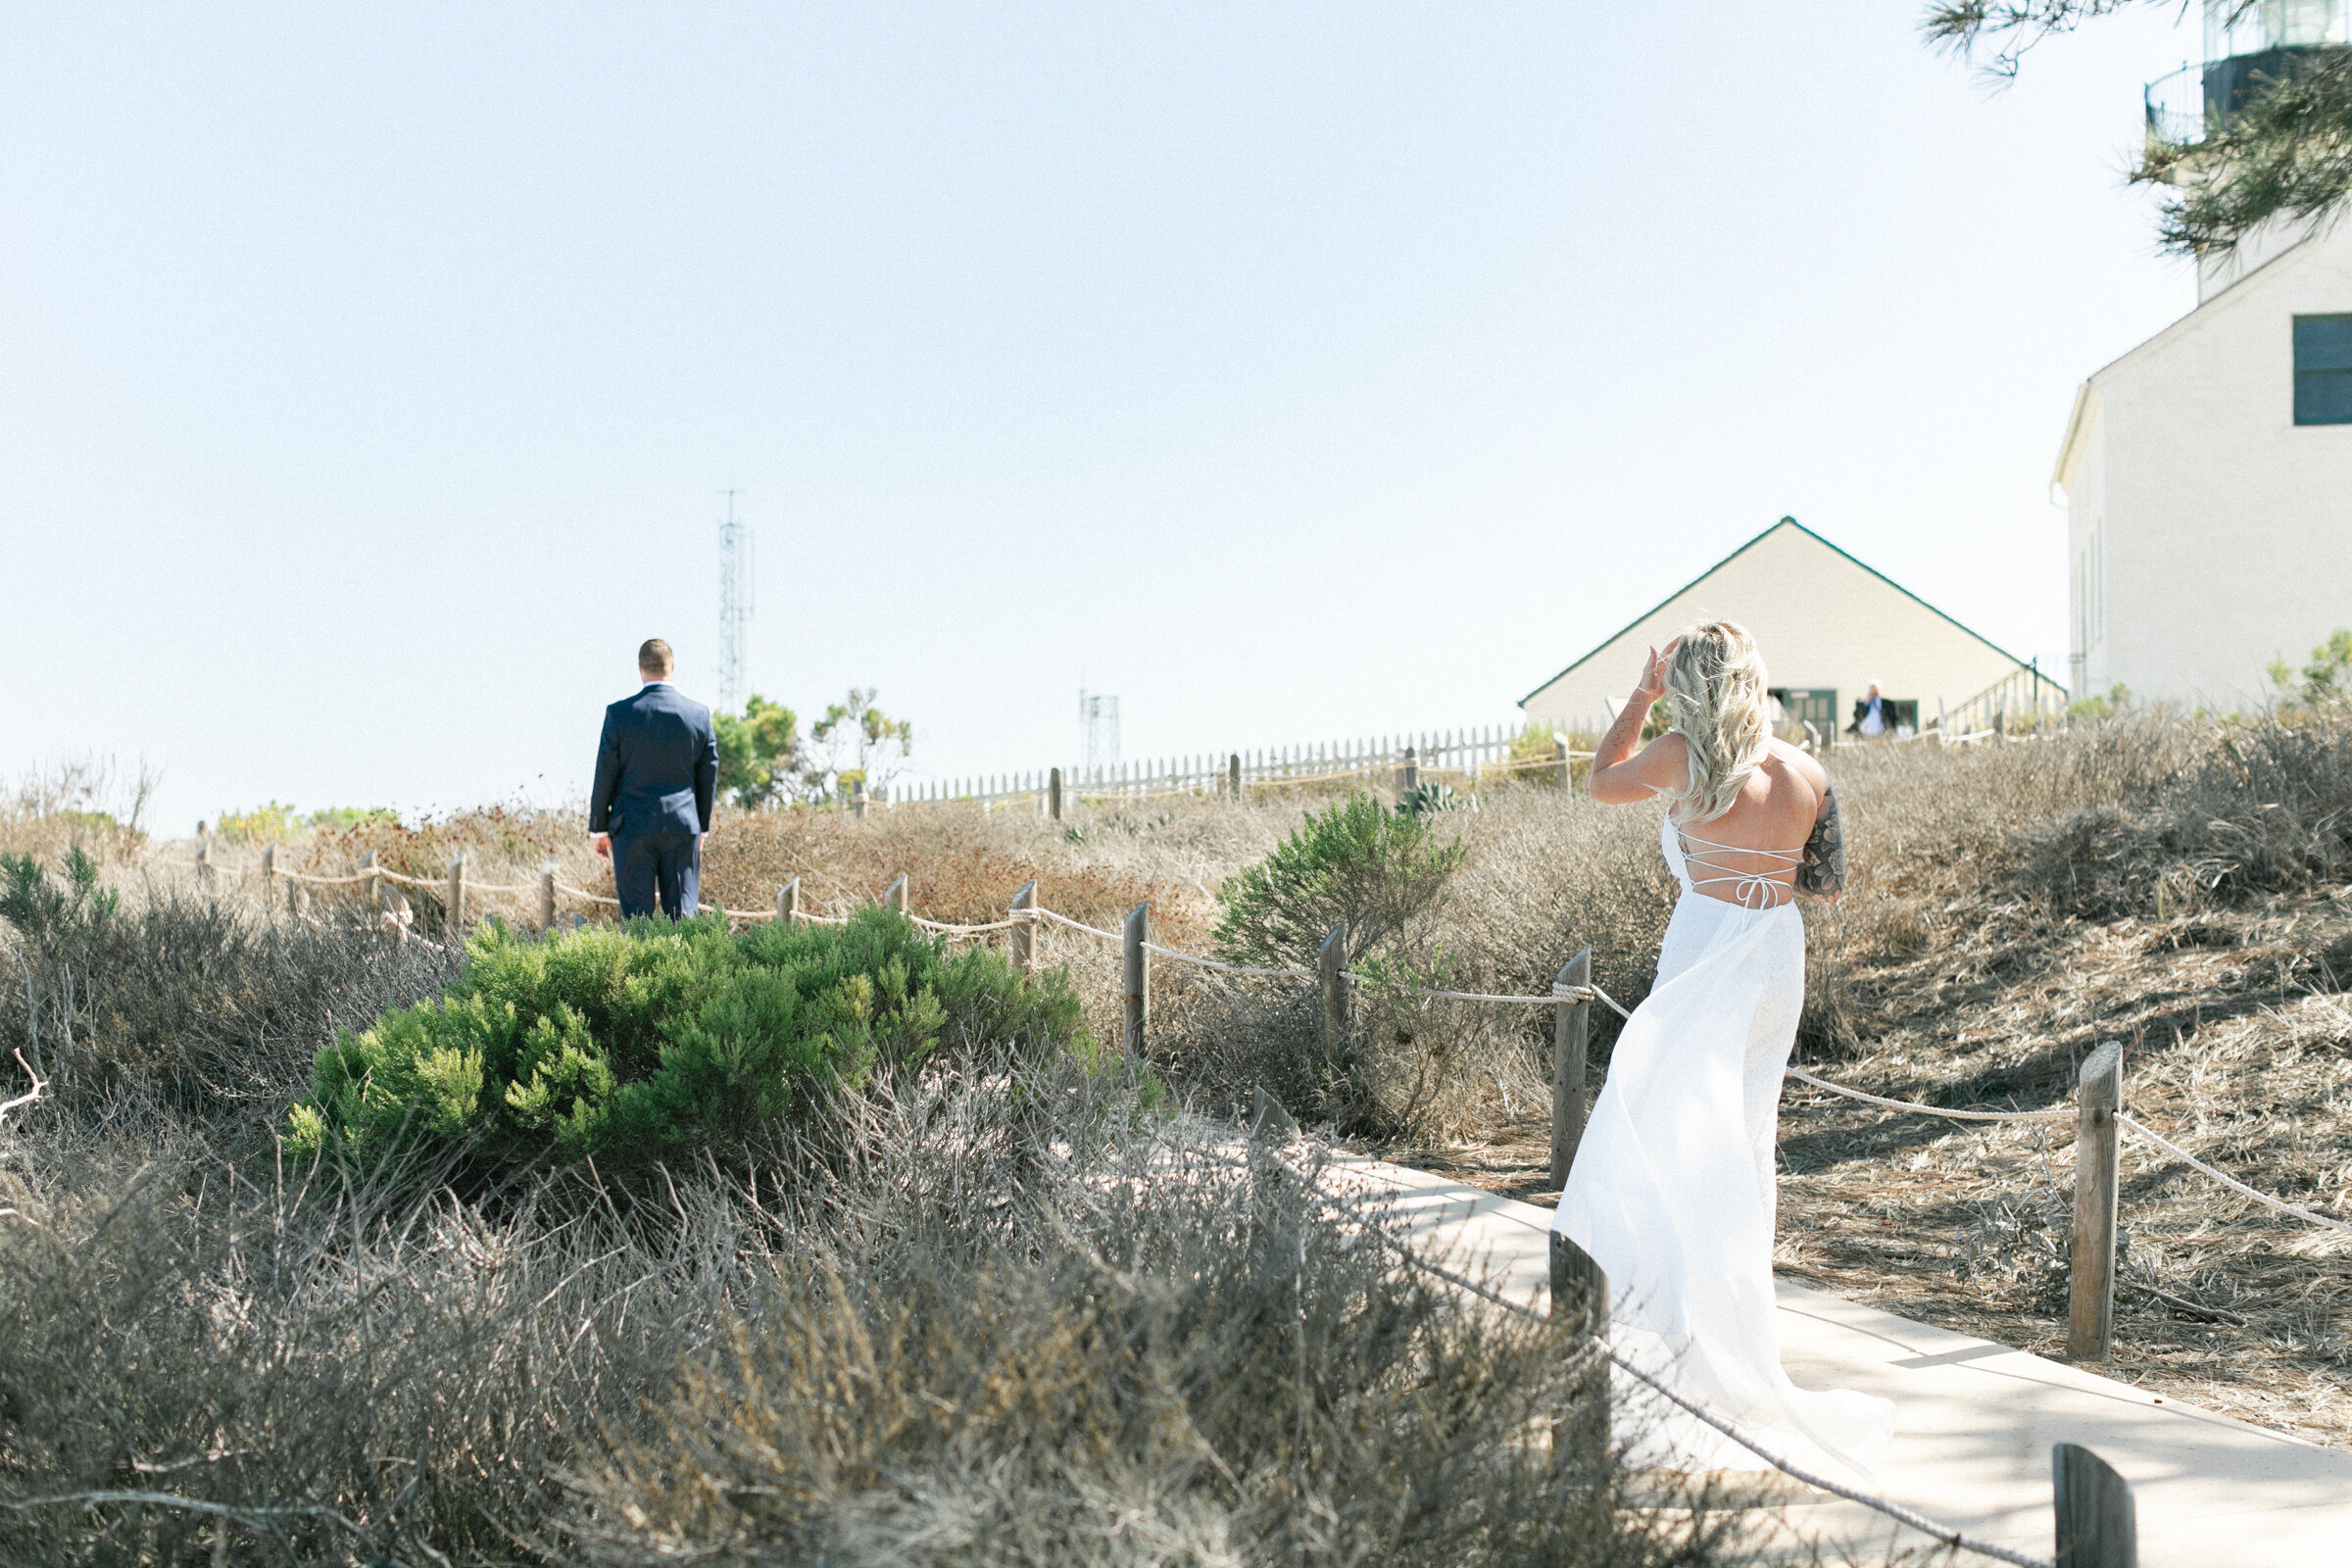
{"x": 1715, "y": 690}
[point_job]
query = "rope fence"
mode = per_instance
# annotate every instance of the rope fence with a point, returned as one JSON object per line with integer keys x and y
{"x": 1563, "y": 996}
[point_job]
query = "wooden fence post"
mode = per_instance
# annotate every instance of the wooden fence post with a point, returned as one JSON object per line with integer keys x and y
{"x": 1331, "y": 965}
{"x": 1233, "y": 778}
{"x": 788, "y": 903}
{"x": 269, "y": 873}
{"x": 1570, "y": 1023}
{"x": 547, "y": 896}
{"x": 894, "y": 897}
{"x": 456, "y": 895}
{"x": 2090, "y": 1291}
{"x": 1138, "y": 966}
{"x": 2096, "y": 1525}
{"x": 204, "y": 858}
{"x": 1408, "y": 774}
{"x": 1053, "y": 797}
{"x": 376, "y": 882}
{"x": 858, "y": 799}
{"x": 1580, "y": 1310}
{"x": 1024, "y": 935}
{"x": 1560, "y": 753}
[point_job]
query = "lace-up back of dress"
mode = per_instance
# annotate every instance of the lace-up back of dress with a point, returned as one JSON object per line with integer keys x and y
{"x": 1754, "y": 879}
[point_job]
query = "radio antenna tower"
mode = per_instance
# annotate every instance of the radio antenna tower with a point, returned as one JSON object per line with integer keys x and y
{"x": 735, "y": 580}
{"x": 1099, "y": 717}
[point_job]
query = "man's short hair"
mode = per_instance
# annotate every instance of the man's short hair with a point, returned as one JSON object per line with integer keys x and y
{"x": 654, "y": 657}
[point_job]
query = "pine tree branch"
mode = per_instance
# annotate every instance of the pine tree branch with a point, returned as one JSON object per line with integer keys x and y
{"x": 2286, "y": 153}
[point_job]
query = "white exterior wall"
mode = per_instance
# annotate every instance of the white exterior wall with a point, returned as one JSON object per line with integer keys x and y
{"x": 1820, "y": 617}
{"x": 2225, "y": 528}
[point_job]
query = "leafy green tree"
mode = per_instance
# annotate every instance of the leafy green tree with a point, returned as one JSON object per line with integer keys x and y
{"x": 2326, "y": 681}
{"x": 758, "y": 753}
{"x": 2285, "y": 152}
{"x": 860, "y": 742}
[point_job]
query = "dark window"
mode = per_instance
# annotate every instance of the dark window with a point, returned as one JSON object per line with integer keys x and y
{"x": 1815, "y": 708}
{"x": 2324, "y": 370}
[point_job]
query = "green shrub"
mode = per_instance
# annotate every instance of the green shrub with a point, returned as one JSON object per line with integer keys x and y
{"x": 1358, "y": 861}
{"x": 343, "y": 818}
{"x": 267, "y": 823}
{"x": 626, "y": 1043}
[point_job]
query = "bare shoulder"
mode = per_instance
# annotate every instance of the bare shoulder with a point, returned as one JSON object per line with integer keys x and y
{"x": 1797, "y": 761}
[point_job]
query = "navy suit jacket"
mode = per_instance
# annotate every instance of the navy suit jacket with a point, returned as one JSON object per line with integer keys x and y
{"x": 656, "y": 768}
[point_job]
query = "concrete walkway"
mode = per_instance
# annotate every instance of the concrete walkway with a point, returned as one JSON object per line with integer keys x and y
{"x": 1974, "y": 1421}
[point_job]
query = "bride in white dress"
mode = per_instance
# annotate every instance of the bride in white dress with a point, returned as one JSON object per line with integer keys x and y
{"x": 1672, "y": 1190}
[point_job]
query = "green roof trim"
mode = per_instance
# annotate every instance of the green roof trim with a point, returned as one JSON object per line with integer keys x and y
{"x": 1785, "y": 523}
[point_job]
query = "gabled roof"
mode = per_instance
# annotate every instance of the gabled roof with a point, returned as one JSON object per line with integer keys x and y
{"x": 1785, "y": 523}
{"x": 2228, "y": 294}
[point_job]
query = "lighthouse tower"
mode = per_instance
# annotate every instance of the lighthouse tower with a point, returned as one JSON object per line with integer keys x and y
{"x": 2246, "y": 48}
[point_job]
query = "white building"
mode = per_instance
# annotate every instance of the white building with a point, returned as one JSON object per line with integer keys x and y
{"x": 2208, "y": 473}
{"x": 1828, "y": 626}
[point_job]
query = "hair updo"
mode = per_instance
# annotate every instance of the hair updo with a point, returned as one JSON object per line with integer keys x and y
{"x": 1715, "y": 690}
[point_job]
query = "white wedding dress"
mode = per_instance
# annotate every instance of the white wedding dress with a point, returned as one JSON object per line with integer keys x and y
{"x": 1672, "y": 1192}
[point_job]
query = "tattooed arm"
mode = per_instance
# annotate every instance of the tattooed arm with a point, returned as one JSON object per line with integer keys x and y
{"x": 1822, "y": 870}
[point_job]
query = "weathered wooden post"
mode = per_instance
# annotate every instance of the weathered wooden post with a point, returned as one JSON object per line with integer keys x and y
{"x": 1570, "y": 1022}
{"x": 269, "y": 872}
{"x": 2097, "y": 1526}
{"x": 1138, "y": 967}
{"x": 456, "y": 895}
{"x": 1580, "y": 1310}
{"x": 2091, "y": 1293}
{"x": 1024, "y": 935}
{"x": 894, "y": 897}
{"x": 1233, "y": 778}
{"x": 375, "y": 881}
{"x": 1331, "y": 976}
{"x": 1559, "y": 755}
{"x": 547, "y": 896}
{"x": 204, "y": 858}
{"x": 1053, "y": 797}
{"x": 788, "y": 903}
{"x": 1409, "y": 777}
{"x": 858, "y": 799}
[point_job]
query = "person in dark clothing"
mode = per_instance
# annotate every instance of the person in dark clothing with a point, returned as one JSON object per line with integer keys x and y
{"x": 657, "y": 777}
{"x": 1874, "y": 715}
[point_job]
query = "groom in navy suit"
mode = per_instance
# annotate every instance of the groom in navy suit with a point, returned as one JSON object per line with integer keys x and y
{"x": 656, "y": 775}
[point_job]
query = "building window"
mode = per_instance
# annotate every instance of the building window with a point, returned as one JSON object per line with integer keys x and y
{"x": 2324, "y": 370}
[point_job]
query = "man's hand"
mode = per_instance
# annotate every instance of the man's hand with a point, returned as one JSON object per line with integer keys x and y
{"x": 602, "y": 843}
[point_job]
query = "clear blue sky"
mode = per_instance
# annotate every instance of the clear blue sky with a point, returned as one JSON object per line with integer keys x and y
{"x": 367, "y": 374}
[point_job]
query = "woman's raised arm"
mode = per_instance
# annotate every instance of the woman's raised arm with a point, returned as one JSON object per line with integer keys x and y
{"x": 1620, "y": 776}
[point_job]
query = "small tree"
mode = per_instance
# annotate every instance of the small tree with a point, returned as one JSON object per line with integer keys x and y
{"x": 758, "y": 754}
{"x": 859, "y": 741}
{"x": 2324, "y": 682}
{"x": 1360, "y": 863}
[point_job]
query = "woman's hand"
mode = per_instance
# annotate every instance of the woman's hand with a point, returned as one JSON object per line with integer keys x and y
{"x": 1652, "y": 684}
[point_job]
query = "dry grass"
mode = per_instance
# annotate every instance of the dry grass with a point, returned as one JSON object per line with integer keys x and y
{"x": 2176, "y": 885}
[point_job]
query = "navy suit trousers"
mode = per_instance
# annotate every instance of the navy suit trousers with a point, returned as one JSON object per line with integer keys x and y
{"x": 668, "y": 867}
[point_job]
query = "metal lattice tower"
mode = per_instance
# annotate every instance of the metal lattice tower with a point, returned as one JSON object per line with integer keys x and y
{"x": 735, "y": 580}
{"x": 1099, "y": 717}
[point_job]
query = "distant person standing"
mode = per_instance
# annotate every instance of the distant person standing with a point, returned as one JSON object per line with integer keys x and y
{"x": 1871, "y": 716}
{"x": 656, "y": 775}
